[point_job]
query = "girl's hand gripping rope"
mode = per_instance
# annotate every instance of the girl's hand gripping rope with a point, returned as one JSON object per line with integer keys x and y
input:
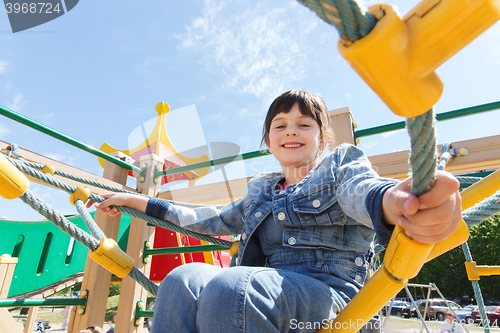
{"x": 138, "y": 203}
{"x": 430, "y": 218}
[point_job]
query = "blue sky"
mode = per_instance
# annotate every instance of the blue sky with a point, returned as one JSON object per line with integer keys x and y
{"x": 97, "y": 72}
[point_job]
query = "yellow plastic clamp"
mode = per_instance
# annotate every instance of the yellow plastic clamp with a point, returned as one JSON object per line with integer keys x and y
{"x": 234, "y": 248}
{"x": 383, "y": 60}
{"x": 481, "y": 190}
{"x": 110, "y": 256}
{"x": 13, "y": 183}
{"x": 474, "y": 272}
{"x": 82, "y": 193}
{"x": 48, "y": 168}
{"x": 363, "y": 305}
{"x": 398, "y": 58}
{"x": 404, "y": 256}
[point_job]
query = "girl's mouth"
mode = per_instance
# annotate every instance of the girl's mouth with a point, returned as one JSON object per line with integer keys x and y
{"x": 292, "y": 145}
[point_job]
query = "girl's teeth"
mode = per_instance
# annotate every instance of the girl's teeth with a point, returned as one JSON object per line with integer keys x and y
{"x": 292, "y": 146}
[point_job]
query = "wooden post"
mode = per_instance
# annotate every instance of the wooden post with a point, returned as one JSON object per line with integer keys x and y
{"x": 132, "y": 292}
{"x": 341, "y": 124}
{"x": 96, "y": 278}
{"x": 7, "y": 267}
{"x": 30, "y": 321}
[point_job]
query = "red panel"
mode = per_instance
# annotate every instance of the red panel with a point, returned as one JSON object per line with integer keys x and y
{"x": 161, "y": 265}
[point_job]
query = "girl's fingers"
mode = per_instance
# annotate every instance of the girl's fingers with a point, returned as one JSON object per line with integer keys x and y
{"x": 444, "y": 187}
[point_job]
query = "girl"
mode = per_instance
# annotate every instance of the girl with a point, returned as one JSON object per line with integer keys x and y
{"x": 306, "y": 232}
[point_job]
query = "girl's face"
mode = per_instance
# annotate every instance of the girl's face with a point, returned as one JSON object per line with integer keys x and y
{"x": 294, "y": 139}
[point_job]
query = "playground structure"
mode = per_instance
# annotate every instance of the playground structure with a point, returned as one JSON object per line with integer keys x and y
{"x": 404, "y": 257}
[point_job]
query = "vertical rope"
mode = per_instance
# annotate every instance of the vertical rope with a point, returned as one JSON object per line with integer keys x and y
{"x": 477, "y": 291}
{"x": 423, "y": 152}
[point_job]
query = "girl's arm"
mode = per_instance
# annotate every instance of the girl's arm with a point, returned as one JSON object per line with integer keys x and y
{"x": 205, "y": 220}
{"x": 136, "y": 202}
{"x": 430, "y": 218}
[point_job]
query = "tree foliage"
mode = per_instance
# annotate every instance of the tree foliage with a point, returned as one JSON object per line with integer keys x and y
{"x": 448, "y": 270}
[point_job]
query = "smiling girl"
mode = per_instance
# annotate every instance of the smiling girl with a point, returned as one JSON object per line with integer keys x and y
{"x": 306, "y": 232}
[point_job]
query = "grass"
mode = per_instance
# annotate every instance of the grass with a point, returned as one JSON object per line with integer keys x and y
{"x": 55, "y": 316}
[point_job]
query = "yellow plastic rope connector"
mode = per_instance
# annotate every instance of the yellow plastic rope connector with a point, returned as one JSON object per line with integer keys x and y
{"x": 474, "y": 272}
{"x": 110, "y": 256}
{"x": 398, "y": 58}
{"x": 13, "y": 183}
{"x": 48, "y": 168}
{"x": 234, "y": 248}
{"x": 82, "y": 193}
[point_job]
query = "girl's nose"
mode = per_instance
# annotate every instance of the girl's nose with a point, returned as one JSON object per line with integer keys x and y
{"x": 291, "y": 132}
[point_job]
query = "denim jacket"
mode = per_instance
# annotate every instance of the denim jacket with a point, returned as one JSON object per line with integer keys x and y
{"x": 337, "y": 206}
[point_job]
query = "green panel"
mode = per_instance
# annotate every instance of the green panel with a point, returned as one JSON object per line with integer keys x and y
{"x": 26, "y": 240}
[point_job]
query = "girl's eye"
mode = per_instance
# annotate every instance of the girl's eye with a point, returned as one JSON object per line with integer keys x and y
{"x": 280, "y": 126}
{"x": 305, "y": 125}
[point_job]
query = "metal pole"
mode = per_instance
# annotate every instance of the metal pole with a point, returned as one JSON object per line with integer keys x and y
{"x": 186, "y": 249}
{"x": 439, "y": 117}
{"x": 210, "y": 163}
{"x": 29, "y": 302}
{"x": 64, "y": 138}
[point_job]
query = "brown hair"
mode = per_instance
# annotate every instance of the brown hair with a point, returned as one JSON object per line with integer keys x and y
{"x": 311, "y": 105}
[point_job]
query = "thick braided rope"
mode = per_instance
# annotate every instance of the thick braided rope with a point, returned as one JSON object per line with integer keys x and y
{"x": 142, "y": 279}
{"x": 49, "y": 179}
{"x": 107, "y": 187}
{"x": 35, "y": 202}
{"x": 351, "y": 21}
{"x": 468, "y": 180}
{"x": 88, "y": 220}
{"x": 477, "y": 290}
{"x": 423, "y": 152}
{"x": 483, "y": 210}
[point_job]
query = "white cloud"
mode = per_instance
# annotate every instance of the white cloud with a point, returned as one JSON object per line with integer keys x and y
{"x": 388, "y": 134}
{"x": 3, "y": 67}
{"x": 260, "y": 52}
{"x": 17, "y": 102}
{"x": 3, "y": 130}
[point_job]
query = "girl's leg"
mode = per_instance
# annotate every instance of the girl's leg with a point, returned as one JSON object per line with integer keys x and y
{"x": 176, "y": 302}
{"x": 255, "y": 299}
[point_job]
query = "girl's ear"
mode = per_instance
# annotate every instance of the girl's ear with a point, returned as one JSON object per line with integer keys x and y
{"x": 326, "y": 139}
{"x": 266, "y": 140}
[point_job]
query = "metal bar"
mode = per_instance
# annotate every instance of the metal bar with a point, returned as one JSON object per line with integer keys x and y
{"x": 185, "y": 249}
{"x": 28, "y": 302}
{"x": 439, "y": 117}
{"x": 144, "y": 313}
{"x": 64, "y": 138}
{"x": 210, "y": 163}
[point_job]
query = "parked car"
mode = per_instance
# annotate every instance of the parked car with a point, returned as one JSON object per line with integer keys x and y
{"x": 436, "y": 308}
{"x": 493, "y": 314}
{"x": 397, "y": 308}
{"x": 465, "y": 315}
{"x": 411, "y": 311}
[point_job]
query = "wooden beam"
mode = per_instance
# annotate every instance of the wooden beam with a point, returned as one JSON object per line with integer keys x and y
{"x": 97, "y": 278}
{"x": 211, "y": 194}
{"x": 7, "y": 323}
{"x": 484, "y": 154}
{"x": 131, "y": 291}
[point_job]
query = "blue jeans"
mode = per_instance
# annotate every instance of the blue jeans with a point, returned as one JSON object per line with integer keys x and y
{"x": 203, "y": 298}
